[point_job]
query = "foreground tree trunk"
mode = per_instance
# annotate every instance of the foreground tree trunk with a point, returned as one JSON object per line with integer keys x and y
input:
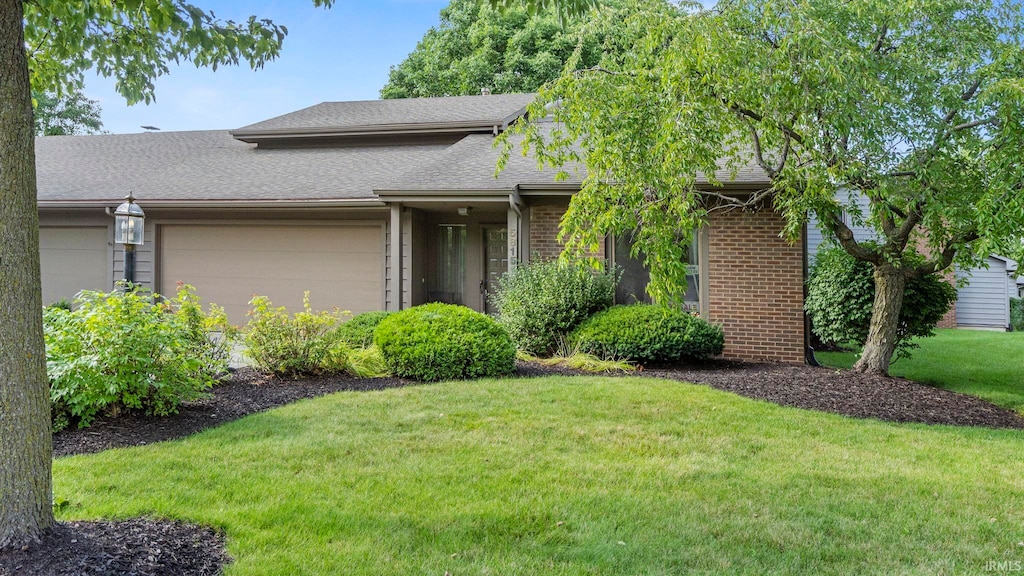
{"x": 890, "y": 284}
{"x": 26, "y": 507}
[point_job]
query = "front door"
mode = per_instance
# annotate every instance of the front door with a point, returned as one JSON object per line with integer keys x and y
{"x": 495, "y": 262}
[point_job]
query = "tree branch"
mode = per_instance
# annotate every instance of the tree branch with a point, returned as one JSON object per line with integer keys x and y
{"x": 946, "y": 256}
{"x": 846, "y": 239}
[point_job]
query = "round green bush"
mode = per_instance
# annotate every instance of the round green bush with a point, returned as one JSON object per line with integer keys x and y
{"x": 358, "y": 332}
{"x": 841, "y": 295}
{"x": 444, "y": 342}
{"x": 648, "y": 333}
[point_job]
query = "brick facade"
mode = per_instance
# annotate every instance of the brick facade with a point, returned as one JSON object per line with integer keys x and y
{"x": 544, "y": 221}
{"x": 755, "y": 280}
{"x": 755, "y": 285}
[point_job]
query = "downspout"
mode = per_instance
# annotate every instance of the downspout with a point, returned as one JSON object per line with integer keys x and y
{"x": 808, "y": 350}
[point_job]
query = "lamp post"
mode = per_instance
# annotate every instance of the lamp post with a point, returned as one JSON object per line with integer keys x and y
{"x": 129, "y": 229}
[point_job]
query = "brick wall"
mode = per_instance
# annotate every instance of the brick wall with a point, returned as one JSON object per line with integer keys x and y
{"x": 544, "y": 220}
{"x": 755, "y": 281}
{"x": 544, "y": 244}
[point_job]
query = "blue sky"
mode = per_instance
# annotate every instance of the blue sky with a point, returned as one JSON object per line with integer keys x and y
{"x": 339, "y": 54}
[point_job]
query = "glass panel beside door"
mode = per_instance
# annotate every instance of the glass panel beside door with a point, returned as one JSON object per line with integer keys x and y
{"x": 449, "y": 285}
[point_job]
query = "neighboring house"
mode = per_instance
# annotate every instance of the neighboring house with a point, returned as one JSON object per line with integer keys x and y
{"x": 373, "y": 205}
{"x": 983, "y": 301}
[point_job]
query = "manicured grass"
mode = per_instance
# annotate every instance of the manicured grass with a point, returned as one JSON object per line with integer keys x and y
{"x": 989, "y": 365}
{"x": 554, "y": 476}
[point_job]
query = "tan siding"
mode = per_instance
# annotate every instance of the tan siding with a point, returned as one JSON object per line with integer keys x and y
{"x": 73, "y": 259}
{"x": 340, "y": 265}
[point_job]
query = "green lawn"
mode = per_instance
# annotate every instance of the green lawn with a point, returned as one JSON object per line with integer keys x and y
{"x": 588, "y": 475}
{"x": 986, "y": 364}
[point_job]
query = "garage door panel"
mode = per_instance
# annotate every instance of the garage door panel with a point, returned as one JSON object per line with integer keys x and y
{"x": 299, "y": 239}
{"x": 73, "y": 259}
{"x": 264, "y": 264}
{"x": 341, "y": 266}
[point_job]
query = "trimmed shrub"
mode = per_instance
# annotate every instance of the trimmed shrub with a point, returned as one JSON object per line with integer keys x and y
{"x": 294, "y": 344}
{"x": 541, "y": 302}
{"x": 648, "y": 333}
{"x": 444, "y": 342}
{"x": 122, "y": 350}
{"x": 1017, "y": 314}
{"x": 841, "y": 294}
{"x": 358, "y": 332}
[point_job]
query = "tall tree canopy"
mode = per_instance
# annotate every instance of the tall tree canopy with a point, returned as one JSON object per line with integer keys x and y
{"x": 512, "y": 49}
{"x": 919, "y": 106}
{"x": 66, "y": 116}
{"x": 46, "y": 46}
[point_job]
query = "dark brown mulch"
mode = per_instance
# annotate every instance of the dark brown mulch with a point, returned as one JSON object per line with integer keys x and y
{"x": 137, "y": 547}
{"x": 845, "y": 392}
{"x": 245, "y": 392}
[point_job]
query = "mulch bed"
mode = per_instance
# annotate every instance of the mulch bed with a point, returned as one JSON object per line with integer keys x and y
{"x": 845, "y": 392}
{"x": 137, "y": 547}
{"x": 151, "y": 547}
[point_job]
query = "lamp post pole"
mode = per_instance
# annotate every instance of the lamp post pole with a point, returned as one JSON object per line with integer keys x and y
{"x": 129, "y": 230}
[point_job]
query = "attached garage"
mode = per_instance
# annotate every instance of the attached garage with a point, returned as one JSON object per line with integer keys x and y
{"x": 341, "y": 265}
{"x": 73, "y": 259}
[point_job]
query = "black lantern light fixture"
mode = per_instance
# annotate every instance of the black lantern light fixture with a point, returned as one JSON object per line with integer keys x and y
{"x": 129, "y": 229}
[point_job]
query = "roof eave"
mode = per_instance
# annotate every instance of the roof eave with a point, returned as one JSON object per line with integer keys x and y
{"x": 257, "y": 136}
{"x": 209, "y": 203}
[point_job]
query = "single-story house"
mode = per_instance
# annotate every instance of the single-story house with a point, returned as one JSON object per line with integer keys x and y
{"x": 983, "y": 294}
{"x": 373, "y": 205}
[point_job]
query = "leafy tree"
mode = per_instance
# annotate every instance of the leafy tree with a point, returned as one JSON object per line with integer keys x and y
{"x": 919, "y": 106}
{"x": 46, "y": 45}
{"x": 65, "y": 116}
{"x": 841, "y": 293}
{"x": 510, "y": 50}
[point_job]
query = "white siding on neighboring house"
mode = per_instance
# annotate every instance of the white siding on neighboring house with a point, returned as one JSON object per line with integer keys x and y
{"x": 985, "y": 301}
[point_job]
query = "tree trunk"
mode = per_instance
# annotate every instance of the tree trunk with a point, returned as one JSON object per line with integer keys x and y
{"x": 26, "y": 450}
{"x": 890, "y": 284}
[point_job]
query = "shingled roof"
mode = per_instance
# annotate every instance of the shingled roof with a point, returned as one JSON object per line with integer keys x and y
{"x": 211, "y": 165}
{"x": 452, "y": 113}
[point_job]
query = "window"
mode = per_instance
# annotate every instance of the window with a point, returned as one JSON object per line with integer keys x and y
{"x": 451, "y": 265}
{"x": 635, "y": 276}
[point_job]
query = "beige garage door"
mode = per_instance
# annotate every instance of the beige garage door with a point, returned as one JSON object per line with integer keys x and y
{"x": 341, "y": 266}
{"x": 73, "y": 259}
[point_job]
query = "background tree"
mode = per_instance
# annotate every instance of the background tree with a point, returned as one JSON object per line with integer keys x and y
{"x": 511, "y": 49}
{"x": 919, "y": 106}
{"x": 47, "y": 45}
{"x": 66, "y": 115}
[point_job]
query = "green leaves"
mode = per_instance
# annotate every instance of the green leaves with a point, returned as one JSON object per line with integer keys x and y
{"x": 918, "y": 106}
{"x": 474, "y": 47}
{"x": 122, "y": 350}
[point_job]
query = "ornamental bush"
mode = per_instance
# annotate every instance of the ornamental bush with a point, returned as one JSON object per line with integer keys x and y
{"x": 841, "y": 293}
{"x": 294, "y": 344}
{"x": 541, "y": 302}
{"x": 358, "y": 332}
{"x": 1017, "y": 314}
{"x": 444, "y": 342}
{"x": 123, "y": 350}
{"x": 648, "y": 333}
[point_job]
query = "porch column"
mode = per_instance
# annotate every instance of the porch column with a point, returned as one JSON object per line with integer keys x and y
{"x": 394, "y": 280}
{"x": 515, "y": 218}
